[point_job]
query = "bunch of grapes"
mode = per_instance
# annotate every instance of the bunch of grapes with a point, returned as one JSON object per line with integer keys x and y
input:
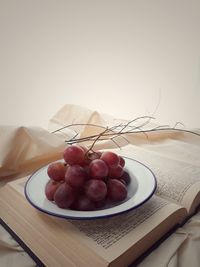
{"x": 87, "y": 180}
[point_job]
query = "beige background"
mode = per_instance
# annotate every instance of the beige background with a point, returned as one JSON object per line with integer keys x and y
{"x": 126, "y": 58}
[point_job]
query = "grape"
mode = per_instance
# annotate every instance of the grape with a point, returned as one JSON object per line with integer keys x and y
{"x": 56, "y": 171}
{"x": 98, "y": 169}
{"x": 74, "y": 154}
{"x": 51, "y": 188}
{"x": 85, "y": 162}
{"x": 75, "y": 176}
{"x": 100, "y": 204}
{"x": 89, "y": 158}
{"x": 117, "y": 191}
{"x": 95, "y": 190}
{"x": 64, "y": 196}
{"x": 110, "y": 158}
{"x": 83, "y": 203}
{"x": 94, "y": 155}
{"x": 85, "y": 149}
{"x": 126, "y": 177}
{"x": 115, "y": 173}
{"x": 87, "y": 180}
{"x": 122, "y": 181}
{"x": 121, "y": 161}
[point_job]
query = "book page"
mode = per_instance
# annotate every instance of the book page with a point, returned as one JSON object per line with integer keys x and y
{"x": 115, "y": 236}
{"x": 19, "y": 184}
{"x": 174, "y": 178}
{"x": 106, "y": 232}
{"x": 175, "y": 149}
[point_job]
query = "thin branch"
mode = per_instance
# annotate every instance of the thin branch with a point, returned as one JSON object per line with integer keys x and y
{"x": 179, "y": 123}
{"x": 98, "y": 137}
{"x": 78, "y": 124}
{"x": 111, "y": 133}
{"x": 112, "y": 139}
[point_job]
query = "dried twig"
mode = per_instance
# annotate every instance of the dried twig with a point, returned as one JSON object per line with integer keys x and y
{"x": 111, "y": 133}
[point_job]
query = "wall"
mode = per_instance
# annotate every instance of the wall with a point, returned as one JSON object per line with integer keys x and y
{"x": 126, "y": 58}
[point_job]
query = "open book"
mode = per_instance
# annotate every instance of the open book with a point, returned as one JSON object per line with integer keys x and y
{"x": 116, "y": 241}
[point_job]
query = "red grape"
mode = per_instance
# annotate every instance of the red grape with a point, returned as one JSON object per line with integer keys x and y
{"x": 85, "y": 149}
{"x": 117, "y": 191}
{"x": 85, "y": 162}
{"x": 115, "y": 173}
{"x": 87, "y": 180}
{"x": 94, "y": 155}
{"x": 126, "y": 177}
{"x": 95, "y": 190}
{"x": 74, "y": 154}
{"x": 89, "y": 158}
{"x": 98, "y": 169}
{"x": 56, "y": 171}
{"x": 75, "y": 176}
{"x": 51, "y": 188}
{"x": 110, "y": 158}
{"x": 121, "y": 161}
{"x": 83, "y": 203}
{"x": 64, "y": 196}
{"x": 122, "y": 181}
{"x": 100, "y": 204}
